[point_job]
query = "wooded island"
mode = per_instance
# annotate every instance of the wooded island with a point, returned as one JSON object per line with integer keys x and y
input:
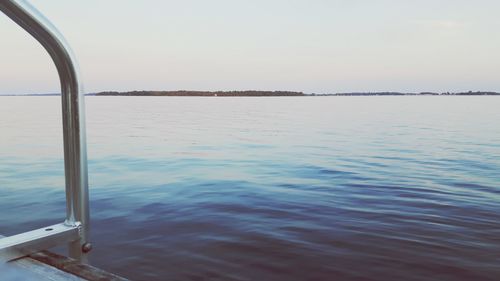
{"x": 204, "y": 93}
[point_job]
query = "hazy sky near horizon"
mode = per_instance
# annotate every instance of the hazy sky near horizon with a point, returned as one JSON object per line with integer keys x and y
{"x": 321, "y": 46}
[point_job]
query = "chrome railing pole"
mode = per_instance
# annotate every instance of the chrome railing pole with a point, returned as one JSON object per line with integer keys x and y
{"x": 73, "y": 110}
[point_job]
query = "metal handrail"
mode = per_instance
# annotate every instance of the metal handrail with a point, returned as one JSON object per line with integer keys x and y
{"x": 75, "y": 154}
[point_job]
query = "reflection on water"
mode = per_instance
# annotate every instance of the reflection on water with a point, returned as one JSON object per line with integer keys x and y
{"x": 325, "y": 188}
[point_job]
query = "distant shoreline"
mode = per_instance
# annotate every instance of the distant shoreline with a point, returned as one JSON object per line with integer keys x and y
{"x": 266, "y": 94}
{"x": 205, "y": 93}
{"x": 470, "y": 93}
{"x": 283, "y": 93}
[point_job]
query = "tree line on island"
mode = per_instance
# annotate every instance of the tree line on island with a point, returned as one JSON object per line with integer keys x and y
{"x": 184, "y": 93}
{"x": 204, "y": 93}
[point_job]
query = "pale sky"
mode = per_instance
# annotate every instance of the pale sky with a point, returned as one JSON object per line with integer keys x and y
{"x": 320, "y": 46}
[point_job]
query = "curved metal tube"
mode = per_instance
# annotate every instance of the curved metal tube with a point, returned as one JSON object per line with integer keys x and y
{"x": 73, "y": 110}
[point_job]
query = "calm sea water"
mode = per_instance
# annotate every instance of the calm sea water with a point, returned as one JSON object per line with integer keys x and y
{"x": 319, "y": 188}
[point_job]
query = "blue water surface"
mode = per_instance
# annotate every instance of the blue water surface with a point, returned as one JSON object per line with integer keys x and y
{"x": 292, "y": 188}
